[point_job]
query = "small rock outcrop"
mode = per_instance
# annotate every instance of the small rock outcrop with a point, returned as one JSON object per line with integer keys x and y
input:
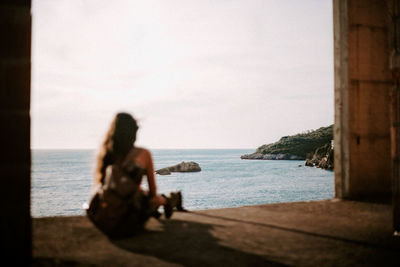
{"x": 322, "y": 158}
{"x": 190, "y": 166}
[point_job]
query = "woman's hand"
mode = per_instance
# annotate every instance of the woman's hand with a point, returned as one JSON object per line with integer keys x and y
{"x": 157, "y": 201}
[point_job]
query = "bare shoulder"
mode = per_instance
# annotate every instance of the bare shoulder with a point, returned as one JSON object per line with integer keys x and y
{"x": 142, "y": 152}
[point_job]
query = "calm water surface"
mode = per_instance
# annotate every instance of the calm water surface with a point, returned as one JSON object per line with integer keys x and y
{"x": 62, "y": 180}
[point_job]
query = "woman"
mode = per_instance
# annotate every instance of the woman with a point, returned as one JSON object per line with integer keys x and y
{"x": 121, "y": 204}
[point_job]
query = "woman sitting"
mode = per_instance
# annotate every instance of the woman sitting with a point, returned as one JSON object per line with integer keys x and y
{"x": 120, "y": 206}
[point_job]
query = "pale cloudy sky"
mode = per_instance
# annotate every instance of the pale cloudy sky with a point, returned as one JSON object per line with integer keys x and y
{"x": 195, "y": 73}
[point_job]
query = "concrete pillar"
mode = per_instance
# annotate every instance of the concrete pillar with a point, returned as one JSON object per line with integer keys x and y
{"x": 15, "y": 156}
{"x": 362, "y": 99}
{"x": 395, "y": 114}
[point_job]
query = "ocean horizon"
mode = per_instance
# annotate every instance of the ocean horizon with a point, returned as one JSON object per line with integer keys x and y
{"x": 62, "y": 179}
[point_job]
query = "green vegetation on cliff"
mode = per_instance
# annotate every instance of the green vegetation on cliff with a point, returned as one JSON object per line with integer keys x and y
{"x": 301, "y": 145}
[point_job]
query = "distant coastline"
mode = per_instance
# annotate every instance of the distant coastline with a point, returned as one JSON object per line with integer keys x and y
{"x": 302, "y": 146}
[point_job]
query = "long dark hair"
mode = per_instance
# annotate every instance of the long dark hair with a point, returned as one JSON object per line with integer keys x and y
{"x": 119, "y": 140}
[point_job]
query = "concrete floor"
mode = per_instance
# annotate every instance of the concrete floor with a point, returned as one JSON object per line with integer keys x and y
{"x": 320, "y": 233}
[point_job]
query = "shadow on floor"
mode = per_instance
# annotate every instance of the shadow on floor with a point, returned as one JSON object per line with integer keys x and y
{"x": 395, "y": 245}
{"x": 190, "y": 244}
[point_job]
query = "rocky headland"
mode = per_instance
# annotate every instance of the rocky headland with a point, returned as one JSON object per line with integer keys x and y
{"x": 313, "y": 146}
{"x": 190, "y": 166}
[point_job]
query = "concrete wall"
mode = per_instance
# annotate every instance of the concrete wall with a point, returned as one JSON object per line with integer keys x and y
{"x": 15, "y": 157}
{"x": 362, "y": 99}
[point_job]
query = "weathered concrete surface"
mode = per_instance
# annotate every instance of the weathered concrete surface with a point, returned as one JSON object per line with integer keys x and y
{"x": 322, "y": 233}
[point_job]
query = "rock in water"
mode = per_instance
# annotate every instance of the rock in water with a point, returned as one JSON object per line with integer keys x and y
{"x": 164, "y": 171}
{"x": 323, "y": 157}
{"x": 181, "y": 167}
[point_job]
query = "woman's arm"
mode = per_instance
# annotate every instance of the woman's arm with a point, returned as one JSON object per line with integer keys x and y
{"x": 155, "y": 200}
{"x": 150, "y": 173}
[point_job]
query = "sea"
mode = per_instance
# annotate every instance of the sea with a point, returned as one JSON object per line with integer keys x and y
{"x": 62, "y": 180}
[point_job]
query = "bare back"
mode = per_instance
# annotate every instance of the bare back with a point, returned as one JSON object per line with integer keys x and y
{"x": 142, "y": 158}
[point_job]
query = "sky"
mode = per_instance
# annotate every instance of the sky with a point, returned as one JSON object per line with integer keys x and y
{"x": 195, "y": 74}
